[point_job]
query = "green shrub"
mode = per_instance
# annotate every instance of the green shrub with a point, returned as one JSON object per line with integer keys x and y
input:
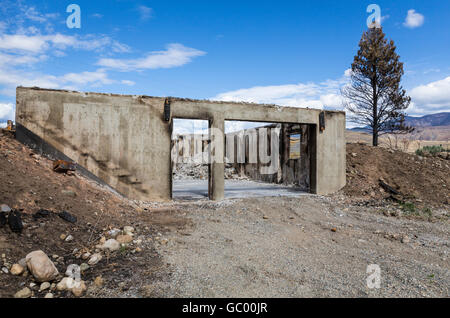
{"x": 432, "y": 150}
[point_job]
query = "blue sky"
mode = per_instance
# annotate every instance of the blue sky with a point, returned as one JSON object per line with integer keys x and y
{"x": 291, "y": 53}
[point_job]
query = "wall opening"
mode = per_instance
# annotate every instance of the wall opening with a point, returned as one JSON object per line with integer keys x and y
{"x": 189, "y": 159}
{"x": 264, "y": 159}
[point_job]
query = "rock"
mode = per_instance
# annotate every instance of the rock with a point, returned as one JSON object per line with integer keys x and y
{"x": 69, "y": 238}
{"x": 5, "y": 270}
{"x": 63, "y": 237}
{"x": 128, "y": 230}
{"x": 17, "y": 269}
{"x": 333, "y": 229}
{"x": 111, "y": 245}
{"x": 2, "y": 219}
{"x": 23, "y": 293}
{"x": 41, "y": 213}
{"x": 95, "y": 258}
{"x": 124, "y": 239}
{"x": 265, "y": 217}
{"x": 72, "y": 269}
{"x": 64, "y": 284}
{"x": 84, "y": 267}
{"x": 48, "y": 295}
{"x": 79, "y": 289}
{"x": 98, "y": 281}
{"x": 32, "y": 285}
{"x": 354, "y": 154}
{"x": 102, "y": 240}
{"x": 138, "y": 249}
{"x": 405, "y": 239}
{"x": 69, "y": 193}
{"x": 44, "y": 286}
{"x": 113, "y": 233}
{"x": 66, "y": 216}
{"x": 41, "y": 267}
{"x": 15, "y": 221}
{"x": 23, "y": 262}
{"x": 85, "y": 256}
{"x": 4, "y": 208}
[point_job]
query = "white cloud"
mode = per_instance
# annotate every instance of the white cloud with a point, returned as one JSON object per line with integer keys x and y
{"x": 40, "y": 43}
{"x": 7, "y": 111}
{"x": 127, "y": 82}
{"x": 83, "y": 78}
{"x": 430, "y": 98}
{"x": 145, "y": 12}
{"x": 413, "y": 19}
{"x": 74, "y": 81}
{"x": 313, "y": 95}
{"x": 23, "y": 42}
{"x": 175, "y": 55}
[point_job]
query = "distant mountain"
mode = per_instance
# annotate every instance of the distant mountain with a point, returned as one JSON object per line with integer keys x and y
{"x": 433, "y": 120}
{"x": 439, "y": 119}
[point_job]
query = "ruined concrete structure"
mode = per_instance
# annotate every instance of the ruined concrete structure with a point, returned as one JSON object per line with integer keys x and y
{"x": 289, "y": 169}
{"x": 125, "y": 140}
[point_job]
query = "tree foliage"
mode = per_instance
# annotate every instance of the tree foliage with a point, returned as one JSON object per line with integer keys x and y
{"x": 375, "y": 98}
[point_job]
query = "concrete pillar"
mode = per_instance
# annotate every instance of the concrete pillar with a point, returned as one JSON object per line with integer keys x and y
{"x": 216, "y": 184}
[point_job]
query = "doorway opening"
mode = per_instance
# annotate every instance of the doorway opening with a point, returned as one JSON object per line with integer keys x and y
{"x": 189, "y": 159}
{"x": 266, "y": 159}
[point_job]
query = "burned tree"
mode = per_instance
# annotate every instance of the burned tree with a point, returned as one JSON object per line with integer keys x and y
{"x": 374, "y": 98}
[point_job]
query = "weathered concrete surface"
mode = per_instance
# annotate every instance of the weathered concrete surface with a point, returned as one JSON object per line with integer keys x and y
{"x": 125, "y": 141}
{"x": 121, "y": 139}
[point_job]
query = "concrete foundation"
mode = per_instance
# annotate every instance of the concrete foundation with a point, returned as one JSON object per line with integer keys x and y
{"x": 125, "y": 141}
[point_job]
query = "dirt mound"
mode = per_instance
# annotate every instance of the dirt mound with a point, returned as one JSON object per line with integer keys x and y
{"x": 418, "y": 179}
{"x": 28, "y": 184}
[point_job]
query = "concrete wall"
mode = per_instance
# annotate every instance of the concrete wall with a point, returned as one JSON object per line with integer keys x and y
{"x": 125, "y": 141}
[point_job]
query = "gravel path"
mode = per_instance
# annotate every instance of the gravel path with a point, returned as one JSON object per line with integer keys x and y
{"x": 287, "y": 247}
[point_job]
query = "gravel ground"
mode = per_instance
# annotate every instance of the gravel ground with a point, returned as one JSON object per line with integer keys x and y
{"x": 310, "y": 246}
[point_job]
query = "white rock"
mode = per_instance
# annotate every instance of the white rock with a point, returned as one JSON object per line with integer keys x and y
{"x": 95, "y": 258}
{"x": 65, "y": 284}
{"x": 73, "y": 270}
{"x": 5, "y": 270}
{"x": 113, "y": 233}
{"x": 41, "y": 267}
{"x": 48, "y": 295}
{"x": 69, "y": 238}
{"x": 5, "y": 208}
{"x": 128, "y": 230}
{"x": 44, "y": 286}
{"x": 111, "y": 245}
{"x": 86, "y": 255}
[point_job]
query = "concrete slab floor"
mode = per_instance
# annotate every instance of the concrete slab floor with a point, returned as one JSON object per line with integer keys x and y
{"x": 198, "y": 189}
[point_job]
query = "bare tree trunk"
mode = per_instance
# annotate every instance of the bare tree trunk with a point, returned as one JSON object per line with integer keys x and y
{"x": 374, "y": 138}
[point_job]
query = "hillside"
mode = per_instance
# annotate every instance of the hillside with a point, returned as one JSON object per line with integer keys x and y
{"x": 433, "y": 120}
